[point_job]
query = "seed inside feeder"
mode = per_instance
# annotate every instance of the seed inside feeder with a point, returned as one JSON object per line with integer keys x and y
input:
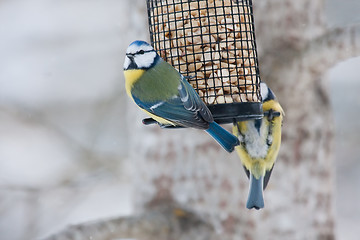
{"x": 212, "y": 42}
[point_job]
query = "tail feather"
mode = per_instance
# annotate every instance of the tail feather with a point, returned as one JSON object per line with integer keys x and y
{"x": 227, "y": 140}
{"x": 267, "y": 176}
{"x": 255, "y": 198}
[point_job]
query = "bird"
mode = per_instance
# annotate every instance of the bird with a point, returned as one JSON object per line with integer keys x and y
{"x": 259, "y": 146}
{"x": 165, "y": 94}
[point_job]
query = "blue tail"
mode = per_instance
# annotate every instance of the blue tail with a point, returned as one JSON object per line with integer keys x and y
{"x": 223, "y": 137}
{"x": 255, "y": 199}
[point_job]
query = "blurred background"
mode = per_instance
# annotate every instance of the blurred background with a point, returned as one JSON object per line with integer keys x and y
{"x": 63, "y": 134}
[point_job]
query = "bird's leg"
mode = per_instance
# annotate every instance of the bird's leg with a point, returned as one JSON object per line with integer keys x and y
{"x": 148, "y": 121}
{"x": 271, "y": 115}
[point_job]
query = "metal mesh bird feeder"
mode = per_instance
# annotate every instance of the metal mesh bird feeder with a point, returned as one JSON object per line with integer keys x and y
{"x": 212, "y": 43}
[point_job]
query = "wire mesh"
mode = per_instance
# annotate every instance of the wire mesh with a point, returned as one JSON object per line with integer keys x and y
{"x": 212, "y": 43}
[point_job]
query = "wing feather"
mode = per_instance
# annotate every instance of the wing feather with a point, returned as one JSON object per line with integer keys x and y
{"x": 192, "y": 101}
{"x": 157, "y": 94}
{"x": 174, "y": 111}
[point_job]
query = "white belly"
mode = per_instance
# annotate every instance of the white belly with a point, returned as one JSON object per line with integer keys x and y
{"x": 255, "y": 142}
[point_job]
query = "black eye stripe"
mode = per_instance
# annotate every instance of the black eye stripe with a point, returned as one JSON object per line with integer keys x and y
{"x": 142, "y": 51}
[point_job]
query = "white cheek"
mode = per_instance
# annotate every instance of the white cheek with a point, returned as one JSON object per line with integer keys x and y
{"x": 264, "y": 91}
{"x": 145, "y": 61}
{"x": 255, "y": 142}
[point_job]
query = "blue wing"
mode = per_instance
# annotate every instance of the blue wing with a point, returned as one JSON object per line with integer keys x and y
{"x": 184, "y": 109}
{"x": 192, "y": 101}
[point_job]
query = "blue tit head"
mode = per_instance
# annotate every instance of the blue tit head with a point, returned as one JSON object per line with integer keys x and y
{"x": 266, "y": 93}
{"x": 140, "y": 55}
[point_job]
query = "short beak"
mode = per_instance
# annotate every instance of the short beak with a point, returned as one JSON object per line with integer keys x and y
{"x": 131, "y": 56}
{"x": 132, "y": 64}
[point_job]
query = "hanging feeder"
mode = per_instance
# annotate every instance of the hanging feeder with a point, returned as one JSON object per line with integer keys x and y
{"x": 212, "y": 43}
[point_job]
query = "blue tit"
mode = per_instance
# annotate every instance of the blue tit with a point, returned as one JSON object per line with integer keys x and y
{"x": 260, "y": 141}
{"x": 163, "y": 93}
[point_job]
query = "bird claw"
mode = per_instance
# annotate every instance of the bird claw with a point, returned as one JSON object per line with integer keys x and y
{"x": 148, "y": 121}
{"x": 271, "y": 114}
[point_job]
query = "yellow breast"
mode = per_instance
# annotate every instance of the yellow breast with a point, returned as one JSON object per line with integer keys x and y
{"x": 258, "y": 162}
{"x": 159, "y": 119}
{"x": 131, "y": 77}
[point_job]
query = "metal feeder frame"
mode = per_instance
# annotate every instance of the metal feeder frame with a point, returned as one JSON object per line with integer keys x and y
{"x": 176, "y": 36}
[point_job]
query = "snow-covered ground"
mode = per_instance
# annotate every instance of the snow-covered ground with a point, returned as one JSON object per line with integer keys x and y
{"x": 62, "y": 126}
